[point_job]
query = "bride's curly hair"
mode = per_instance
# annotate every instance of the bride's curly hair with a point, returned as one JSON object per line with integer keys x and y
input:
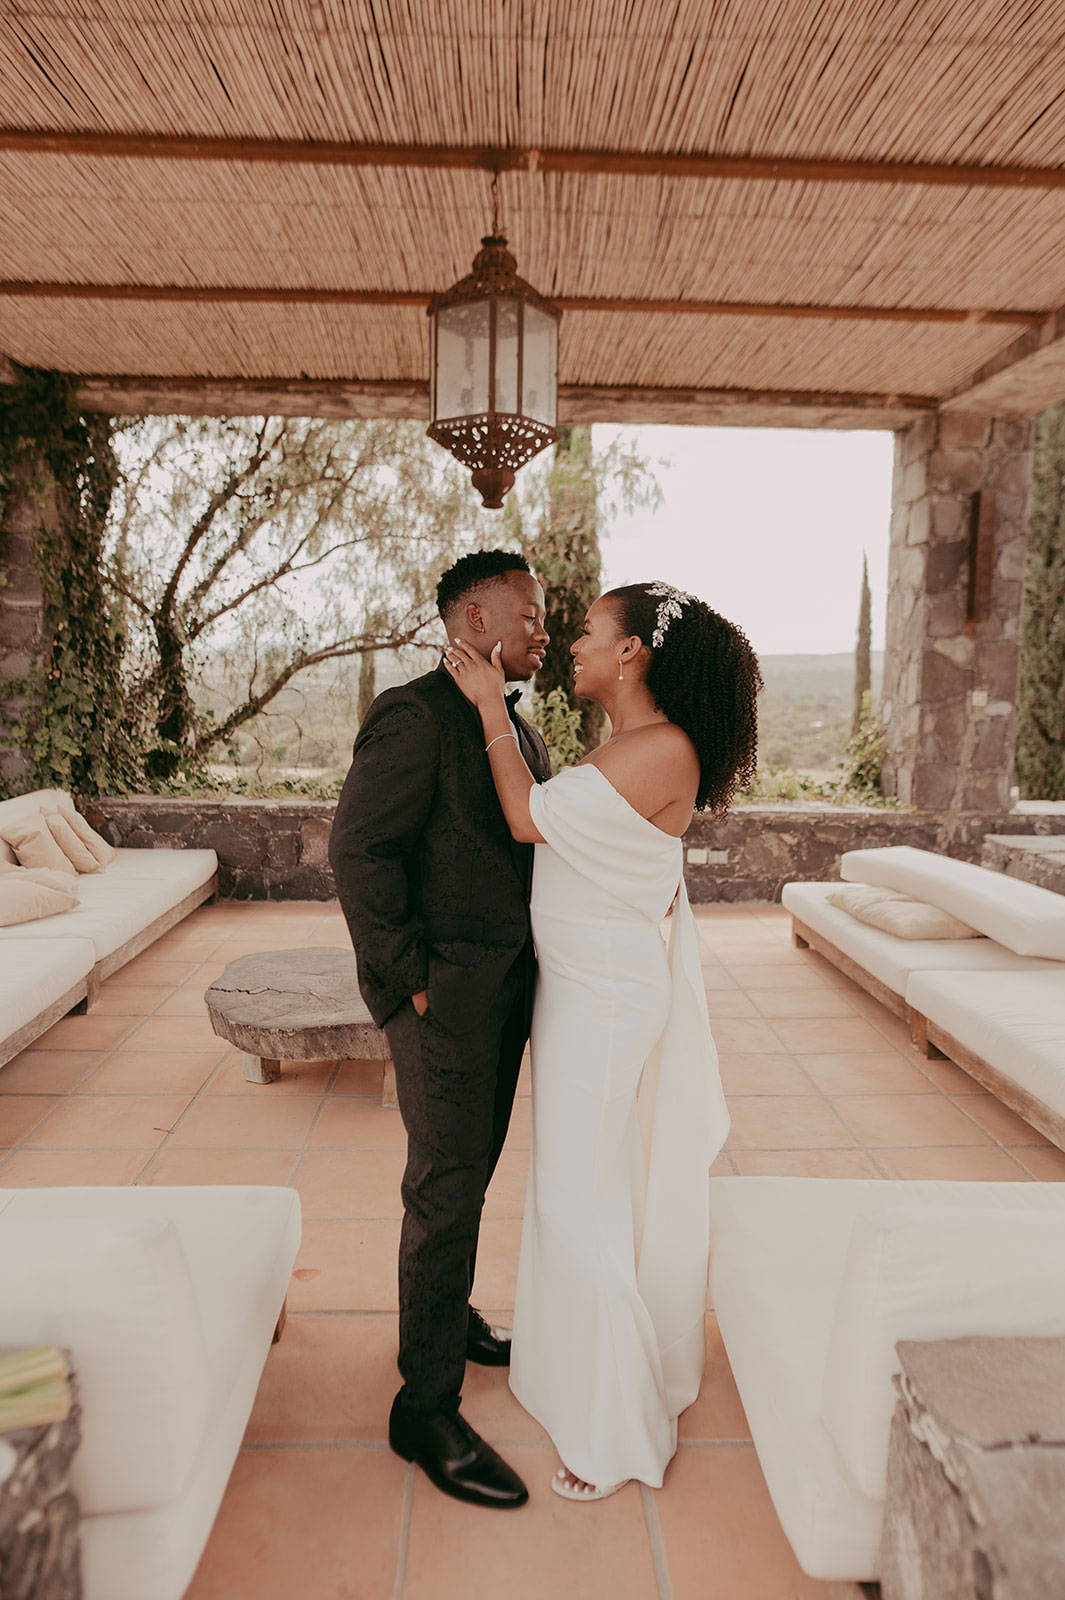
{"x": 704, "y": 676}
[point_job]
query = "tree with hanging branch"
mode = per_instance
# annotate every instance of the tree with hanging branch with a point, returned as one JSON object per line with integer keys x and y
{"x": 249, "y": 550}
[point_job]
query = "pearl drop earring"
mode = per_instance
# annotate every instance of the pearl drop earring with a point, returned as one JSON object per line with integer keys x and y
{"x": 621, "y": 669}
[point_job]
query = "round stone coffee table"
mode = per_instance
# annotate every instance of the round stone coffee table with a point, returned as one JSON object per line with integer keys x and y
{"x": 296, "y": 1005}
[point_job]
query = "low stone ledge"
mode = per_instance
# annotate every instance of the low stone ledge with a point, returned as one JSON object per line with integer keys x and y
{"x": 277, "y": 849}
{"x": 754, "y": 851}
{"x": 1037, "y": 860}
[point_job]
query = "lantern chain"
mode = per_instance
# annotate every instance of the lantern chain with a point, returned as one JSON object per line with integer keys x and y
{"x": 495, "y": 203}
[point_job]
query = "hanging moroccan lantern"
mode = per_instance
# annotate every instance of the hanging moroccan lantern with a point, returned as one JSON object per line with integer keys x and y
{"x": 494, "y": 393}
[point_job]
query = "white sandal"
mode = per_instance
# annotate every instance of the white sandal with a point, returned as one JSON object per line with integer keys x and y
{"x": 569, "y": 1491}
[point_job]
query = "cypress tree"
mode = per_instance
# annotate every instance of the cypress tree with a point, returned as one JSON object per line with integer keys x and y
{"x": 863, "y": 670}
{"x": 566, "y": 557}
{"x": 1040, "y": 754}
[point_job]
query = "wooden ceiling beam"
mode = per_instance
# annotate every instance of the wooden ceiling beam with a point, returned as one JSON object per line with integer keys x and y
{"x": 625, "y": 163}
{"x": 240, "y": 295}
{"x": 401, "y": 398}
{"x": 1024, "y": 377}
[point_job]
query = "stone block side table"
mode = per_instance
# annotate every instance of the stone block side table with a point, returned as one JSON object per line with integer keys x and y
{"x": 297, "y": 1005}
{"x": 975, "y": 1505}
{"x": 40, "y": 1544}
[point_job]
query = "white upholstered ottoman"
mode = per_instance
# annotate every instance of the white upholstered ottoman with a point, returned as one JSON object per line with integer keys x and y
{"x": 813, "y": 1280}
{"x": 168, "y": 1300}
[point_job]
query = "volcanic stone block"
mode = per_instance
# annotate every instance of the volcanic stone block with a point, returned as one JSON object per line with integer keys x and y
{"x": 976, "y": 1472}
{"x": 40, "y": 1549}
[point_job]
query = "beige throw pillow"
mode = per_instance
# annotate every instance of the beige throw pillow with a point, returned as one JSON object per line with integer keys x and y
{"x": 79, "y": 856}
{"x": 899, "y": 914}
{"x": 34, "y": 845}
{"x": 105, "y": 853}
{"x": 29, "y": 893}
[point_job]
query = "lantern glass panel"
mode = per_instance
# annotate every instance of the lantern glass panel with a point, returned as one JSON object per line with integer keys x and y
{"x": 462, "y": 360}
{"x": 540, "y": 366}
{"x": 508, "y": 313}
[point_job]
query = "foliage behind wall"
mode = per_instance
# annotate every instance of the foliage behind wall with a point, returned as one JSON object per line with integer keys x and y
{"x": 73, "y": 726}
{"x": 1040, "y": 755}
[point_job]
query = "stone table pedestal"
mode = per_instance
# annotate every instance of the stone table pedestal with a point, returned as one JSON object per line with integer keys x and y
{"x": 297, "y": 1005}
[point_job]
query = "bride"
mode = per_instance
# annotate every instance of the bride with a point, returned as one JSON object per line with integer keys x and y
{"x": 628, "y": 1111}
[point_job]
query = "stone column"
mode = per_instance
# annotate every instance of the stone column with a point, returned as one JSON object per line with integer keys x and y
{"x": 955, "y": 592}
{"x": 29, "y": 505}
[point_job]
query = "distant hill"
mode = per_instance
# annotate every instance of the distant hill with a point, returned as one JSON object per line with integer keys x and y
{"x": 831, "y": 675}
{"x": 804, "y": 713}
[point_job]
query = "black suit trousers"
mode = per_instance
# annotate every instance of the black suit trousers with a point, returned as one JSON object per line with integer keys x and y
{"x": 456, "y": 1093}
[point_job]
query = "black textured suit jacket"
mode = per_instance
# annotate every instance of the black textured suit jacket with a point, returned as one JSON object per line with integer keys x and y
{"x": 434, "y": 888}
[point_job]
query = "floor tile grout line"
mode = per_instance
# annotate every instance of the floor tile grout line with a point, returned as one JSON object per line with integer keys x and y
{"x": 994, "y": 1137}
{"x": 305, "y": 1148}
{"x": 165, "y": 1143}
{"x": 406, "y": 1517}
{"x": 656, "y": 1542}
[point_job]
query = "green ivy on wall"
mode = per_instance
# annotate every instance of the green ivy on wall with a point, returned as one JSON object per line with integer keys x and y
{"x": 72, "y": 730}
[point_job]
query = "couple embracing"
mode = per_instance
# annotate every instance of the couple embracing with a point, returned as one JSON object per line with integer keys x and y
{"x": 449, "y": 833}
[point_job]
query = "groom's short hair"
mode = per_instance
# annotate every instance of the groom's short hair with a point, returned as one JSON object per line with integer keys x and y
{"x": 472, "y": 572}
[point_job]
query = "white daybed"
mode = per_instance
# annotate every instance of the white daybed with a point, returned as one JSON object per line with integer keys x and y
{"x": 49, "y": 967}
{"x": 167, "y": 1300}
{"x": 814, "y": 1280}
{"x": 994, "y": 1004}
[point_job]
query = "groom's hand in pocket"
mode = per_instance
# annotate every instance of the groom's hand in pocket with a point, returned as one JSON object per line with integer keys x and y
{"x": 420, "y": 1002}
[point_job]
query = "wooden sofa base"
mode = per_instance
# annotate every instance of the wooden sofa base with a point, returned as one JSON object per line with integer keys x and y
{"x": 802, "y": 936}
{"x": 932, "y": 1040}
{"x": 83, "y": 995}
{"x": 74, "y": 1000}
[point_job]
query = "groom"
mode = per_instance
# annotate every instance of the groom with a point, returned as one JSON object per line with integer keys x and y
{"x": 436, "y": 892}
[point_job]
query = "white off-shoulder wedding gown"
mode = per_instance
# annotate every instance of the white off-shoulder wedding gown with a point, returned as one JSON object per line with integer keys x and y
{"x": 628, "y": 1113}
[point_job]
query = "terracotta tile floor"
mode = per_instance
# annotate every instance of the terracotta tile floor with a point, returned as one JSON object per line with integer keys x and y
{"x": 821, "y": 1081}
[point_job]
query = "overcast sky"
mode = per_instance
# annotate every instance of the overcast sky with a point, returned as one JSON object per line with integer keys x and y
{"x": 767, "y": 525}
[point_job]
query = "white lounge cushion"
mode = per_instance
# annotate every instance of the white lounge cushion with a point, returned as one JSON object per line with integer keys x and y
{"x": 892, "y": 960}
{"x": 926, "y": 1273}
{"x": 118, "y": 903}
{"x": 896, "y": 913}
{"x": 35, "y": 973}
{"x": 29, "y": 893}
{"x": 117, "y": 1293}
{"x": 1019, "y": 915}
{"x": 24, "y": 807}
{"x": 777, "y": 1257}
{"x": 240, "y": 1245}
{"x": 1015, "y": 1021}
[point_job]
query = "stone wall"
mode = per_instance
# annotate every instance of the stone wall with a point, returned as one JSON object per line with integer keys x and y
{"x": 277, "y": 849}
{"x": 950, "y": 675}
{"x": 1038, "y": 861}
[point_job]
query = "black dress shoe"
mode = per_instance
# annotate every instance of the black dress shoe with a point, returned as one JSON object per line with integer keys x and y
{"x": 483, "y": 1346}
{"x": 456, "y": 1458}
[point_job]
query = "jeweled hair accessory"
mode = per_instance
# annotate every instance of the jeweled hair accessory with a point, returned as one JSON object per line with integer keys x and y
{"x": 671, "y": 603}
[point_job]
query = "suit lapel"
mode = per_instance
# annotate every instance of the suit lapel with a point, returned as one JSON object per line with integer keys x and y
{"x": 532, "y": 748}
{"x": 530, "y": 743}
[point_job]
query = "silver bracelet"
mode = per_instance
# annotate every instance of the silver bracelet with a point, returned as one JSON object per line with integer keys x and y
{"x": 510, "y": 735}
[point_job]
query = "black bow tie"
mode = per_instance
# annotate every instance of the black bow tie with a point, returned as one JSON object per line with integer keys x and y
{"x": 512, "y": 698}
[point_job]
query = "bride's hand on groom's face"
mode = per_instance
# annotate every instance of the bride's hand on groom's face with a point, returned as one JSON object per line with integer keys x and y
{"x": 481, "y": 681}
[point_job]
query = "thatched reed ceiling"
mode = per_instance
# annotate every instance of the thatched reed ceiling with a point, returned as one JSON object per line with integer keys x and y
{"x": 455, "y": 86}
